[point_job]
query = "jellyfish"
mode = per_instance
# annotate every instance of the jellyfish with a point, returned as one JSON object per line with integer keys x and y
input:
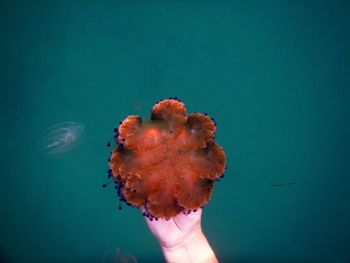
{"x": 62, "y": 138}
{"x": 118, "y": 257}
{"x": 169, "y": 164}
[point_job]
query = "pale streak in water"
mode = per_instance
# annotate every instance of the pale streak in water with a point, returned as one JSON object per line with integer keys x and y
{"x": 62, "y": 138}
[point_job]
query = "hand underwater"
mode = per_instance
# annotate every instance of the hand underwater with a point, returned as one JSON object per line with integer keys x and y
{"x": 181, "y": 238}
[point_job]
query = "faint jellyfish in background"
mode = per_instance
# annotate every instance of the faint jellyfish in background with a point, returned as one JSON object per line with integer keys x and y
{"x": 118, "y": 257}
{"x": 62, "y": 138}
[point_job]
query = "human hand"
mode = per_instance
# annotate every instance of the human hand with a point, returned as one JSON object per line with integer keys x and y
{"x": 181, "y": 238}
{"x": 172, "y": 232}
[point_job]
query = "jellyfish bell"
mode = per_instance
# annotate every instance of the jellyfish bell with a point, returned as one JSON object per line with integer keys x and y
{"x": 168, "y": 165}
{"x": 62, "y": 138}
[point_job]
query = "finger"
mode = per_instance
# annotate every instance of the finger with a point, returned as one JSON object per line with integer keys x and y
{"x": 143, "y": 209}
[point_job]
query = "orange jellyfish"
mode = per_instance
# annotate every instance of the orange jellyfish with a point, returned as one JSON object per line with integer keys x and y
{"x": 169, "y": 164}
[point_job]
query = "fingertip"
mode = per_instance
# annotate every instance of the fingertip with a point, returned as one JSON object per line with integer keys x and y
{"x": 143, "y": 210}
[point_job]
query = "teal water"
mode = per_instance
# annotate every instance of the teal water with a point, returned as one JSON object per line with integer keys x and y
{"x": 275, "y": 75}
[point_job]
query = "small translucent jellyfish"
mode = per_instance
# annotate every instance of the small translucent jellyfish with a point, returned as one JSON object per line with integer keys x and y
{"x": 118, "y": 257}
{"x": 62, "y": 138}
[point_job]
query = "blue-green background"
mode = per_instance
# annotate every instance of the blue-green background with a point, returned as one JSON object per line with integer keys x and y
{"x": 274, "y": 75}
